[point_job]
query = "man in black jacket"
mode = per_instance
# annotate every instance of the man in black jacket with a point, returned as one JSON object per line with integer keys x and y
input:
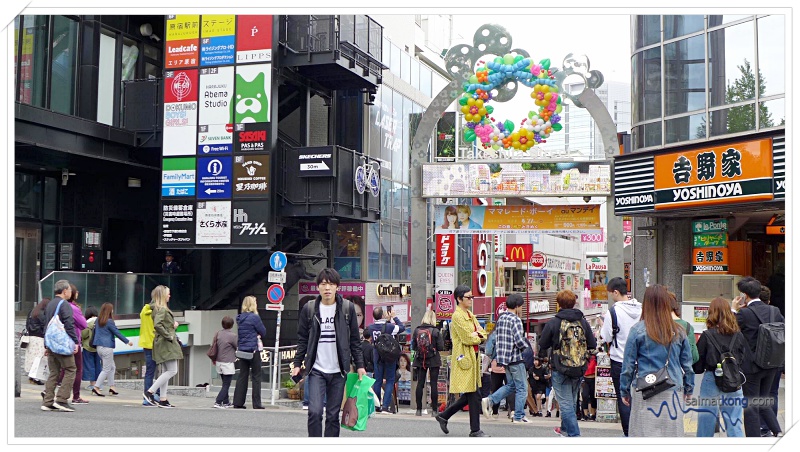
{"x": 52, "y": 401}
{"x": 327, "y": 342}
{"x": 759, "y": 380}
{"x": 366, "y": 352}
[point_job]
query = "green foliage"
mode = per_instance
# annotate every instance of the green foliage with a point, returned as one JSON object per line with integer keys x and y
{"x": 527, "y": 166}
{"x": 495, "y": 168}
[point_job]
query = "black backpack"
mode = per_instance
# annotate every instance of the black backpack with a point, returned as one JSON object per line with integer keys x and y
{"x": 771, "y": 341}
{"x": 425, "y": 346}
{"x": 387, "y": 346}
{"x": 345, "y": 308}
{"x": 732, "y": 377}
{"x": 614, "y": 325}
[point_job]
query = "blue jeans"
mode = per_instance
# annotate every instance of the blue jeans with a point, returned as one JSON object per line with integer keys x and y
{"x": 323, "y": 386}
{"x": 150, "y": 369}
{"x": 387, "y": 371}
{"x": 305, "y": 392}
{"x": 567, "y": 390}
{"x": 518, "y": 383}
{"x": 730, "y": 403}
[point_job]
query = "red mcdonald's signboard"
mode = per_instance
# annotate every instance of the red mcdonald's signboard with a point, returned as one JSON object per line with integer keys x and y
{"x": 518, "y": 252}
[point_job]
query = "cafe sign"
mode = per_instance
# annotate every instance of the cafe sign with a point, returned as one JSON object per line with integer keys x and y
{"x": 734, "y": 173}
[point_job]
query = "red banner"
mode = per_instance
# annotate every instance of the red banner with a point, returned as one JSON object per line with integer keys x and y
{"x": 445, "y": 250}
{"x": 254, "y": 39}
{"x": 518, "y": 252}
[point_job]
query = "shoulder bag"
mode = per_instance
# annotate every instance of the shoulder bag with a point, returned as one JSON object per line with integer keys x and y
{"x": 56, "y": 338}
{"x": 655, "y": 382}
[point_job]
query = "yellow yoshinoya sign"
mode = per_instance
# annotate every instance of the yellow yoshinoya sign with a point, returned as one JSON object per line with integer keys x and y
{"x": 732, "y": 173}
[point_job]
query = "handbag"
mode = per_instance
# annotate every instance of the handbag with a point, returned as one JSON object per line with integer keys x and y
{"x": 212, "y": 351}
{"x": 25, "y": 339}
{"x": 56, "y": 338}
{"x": 40, "y": 369}
{"x": 655, "y": 382}
{"x": 244, "y": 355}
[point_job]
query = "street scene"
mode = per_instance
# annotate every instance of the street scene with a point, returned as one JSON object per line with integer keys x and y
{"x": 410, "y": 225}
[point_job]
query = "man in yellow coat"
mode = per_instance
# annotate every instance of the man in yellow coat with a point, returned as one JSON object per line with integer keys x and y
{"x": 465, "y": 372}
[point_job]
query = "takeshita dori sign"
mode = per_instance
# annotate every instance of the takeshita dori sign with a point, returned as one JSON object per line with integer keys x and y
{"x": 561, "y": 219}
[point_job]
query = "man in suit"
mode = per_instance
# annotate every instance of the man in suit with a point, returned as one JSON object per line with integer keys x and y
{"x": 170, "y": 266}
{"x": 759, "y": 381}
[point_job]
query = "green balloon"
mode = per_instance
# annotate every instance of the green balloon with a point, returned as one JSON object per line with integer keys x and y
{"x": 530, "y": 115}
{"x": 545, "y": 63}
{"x": 489, "y": 109}
{"x": 473, "y": 79}
{"x": 508, "y": 59}
{"x": 462, "y": 101}
{"x": 557, "y": 127}
{"x": 517, "y": 59}
{"x": 469, "y": 135}
{"x": 498, "y": 60}
{"x": 558, "y": 108}
{"x": 509, "y": 125}
{"x": 558, "y": 100}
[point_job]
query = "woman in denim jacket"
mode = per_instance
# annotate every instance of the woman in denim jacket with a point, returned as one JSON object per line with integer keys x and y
{"x": 650, "y": 343}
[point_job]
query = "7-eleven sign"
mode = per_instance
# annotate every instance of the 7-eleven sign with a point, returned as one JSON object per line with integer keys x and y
{"x": 445, "y": 250}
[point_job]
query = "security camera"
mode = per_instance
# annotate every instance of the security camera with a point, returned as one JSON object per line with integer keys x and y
{"x": 586, "y": 199}
{"x": 64, "y": 176}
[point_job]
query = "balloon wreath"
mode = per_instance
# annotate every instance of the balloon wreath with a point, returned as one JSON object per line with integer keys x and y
{"x": 536, "y": 128}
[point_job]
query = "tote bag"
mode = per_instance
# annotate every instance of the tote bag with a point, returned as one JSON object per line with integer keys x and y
{"x": 56, "y": 338}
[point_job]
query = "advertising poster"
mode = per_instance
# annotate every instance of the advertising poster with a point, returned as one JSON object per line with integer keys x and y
{"x": 180, "y": 112}
{"x": 445, "y": 250}
{"x": 216, "y": 96}
{"x": 254, "y": 39}
{"x": 217, "y": 39}
{"x": 213, "y": 223}
{"x": 353, "y": 291}
{"x": 561, "y": 219}
{"x": 251, "y": 137}
{"x": 177, "y": 223}
{"x": 25, "y": 67}
{"x": 215, "y": 139}
{"x": 214, "y": 178}
{"x": 251, "y": 175}
{"x": 700, "y": 314}
{"x": 445, "y": 304}
{"x": 253, "y": 89}
{"x": 183, "y": 39}
{"x": 597, "y": 268}
{"x": 249, "y": 223}
{"x": 177, "y": 176}
{"x": 603, "y": 385}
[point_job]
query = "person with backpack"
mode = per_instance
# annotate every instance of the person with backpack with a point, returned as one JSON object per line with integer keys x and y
{"x": 571, "y": 338}
{"x": 510, "y": 342}
{"x": 386, "y": 354}
{"x": 657, "y": 369}
{"x": 327, "y": 341}
{"x": 676, "y": 316}
{"x": 497, "y": 376}
{"x": 617, "y": 323}
{"x": 762, "y": 326}
{"x": 366, "y": 351}
{"x": 722, "y": 351}
{"x": 427, "y": 342}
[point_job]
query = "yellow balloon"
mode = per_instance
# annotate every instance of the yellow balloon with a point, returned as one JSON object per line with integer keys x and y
{"x": 515, "y": 136}
{"x": 468, "y": 116}
{"x": 548, "y": 96}
{"x": 470, "y": 101}
{"x": 515, "y": 144}
{"x": 479, "y": 103}
{"x": 482, "y": 112}
{"x": 465, "y": 109}
{"x": 533, "y": 94}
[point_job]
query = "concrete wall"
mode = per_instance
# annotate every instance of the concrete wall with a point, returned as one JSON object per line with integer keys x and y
{"x": 675, "y": 253}
{"x": 645, "y": 255}
{"x": 202, "y": 326}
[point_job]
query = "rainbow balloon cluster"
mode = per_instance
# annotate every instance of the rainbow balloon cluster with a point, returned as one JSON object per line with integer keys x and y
{"x": 536, "y": 128}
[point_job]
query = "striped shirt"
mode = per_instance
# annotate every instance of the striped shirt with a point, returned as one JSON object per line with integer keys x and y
{"x": 510, "y": 340}
{"x": 327, "y": 357}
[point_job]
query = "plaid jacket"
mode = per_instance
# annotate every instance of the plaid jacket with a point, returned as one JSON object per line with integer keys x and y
{"x": 510, "y": 341}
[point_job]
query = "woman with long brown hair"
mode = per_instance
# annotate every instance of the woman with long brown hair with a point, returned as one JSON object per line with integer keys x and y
{"x": 723, "y": 335}
{"x": 104, "y": 333}
{"x": 653, "y": 343}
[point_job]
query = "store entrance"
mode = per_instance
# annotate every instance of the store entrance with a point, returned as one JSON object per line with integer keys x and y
{"x": 27, "y": 255}
{"x": 765, "y": 231}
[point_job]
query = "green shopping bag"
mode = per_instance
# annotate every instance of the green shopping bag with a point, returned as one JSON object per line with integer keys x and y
{"x": 356, "y": 409}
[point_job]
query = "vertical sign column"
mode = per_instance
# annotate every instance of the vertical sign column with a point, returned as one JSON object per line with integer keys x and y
{"x": 445, "y": 275}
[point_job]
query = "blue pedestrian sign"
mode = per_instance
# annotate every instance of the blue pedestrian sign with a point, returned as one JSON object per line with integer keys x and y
{"x": 275, "y": 293}
{"x": 277, "y": 261}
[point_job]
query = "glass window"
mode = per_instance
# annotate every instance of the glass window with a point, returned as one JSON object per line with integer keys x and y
{"x": 152, "y": 52}
{"x": 731, "y": 53}
{"x": 733, "y": 120}
{"x": 27, "y": 195}
{"x": 415, "y": 73}
{"x": 425, "y": 80}
{"x": 375, "y": 132}
{"x": 772, "y": 113}
{"x": 646, "y": 135}
{"x": 151, "y": 71}
{"x": 647, "y": 30}
{"x": 684, "y": 76}
{"x": 374, "y": 249}
{"x": 65, "y": 57}
{"x": 386, "y": 52}
{"x": 386, "y": 262}
{"x": 397, "y": 203}
{"x": 50, "y": 203}
{"x": 362, "y": 32}
{"x": 686, "y": 128}
{"x": 771, "y": 55}
{"x": 396, "y": 141}
{"x": 397, "y": 261}
{"x": 33, "y": 60}
{"x": 405, "y": 67}
{"x": 438, "y": 84}
{"x": 105, "y": 77}
{"x": 646, "y": 71}
{"x": 405, "y": 132}
{"x": 386, "y": 200}
{"x": 675, "y": 26}
{"x": 715, "y": 20}
{"x": 16, "y": 46}
{"x": 394, "y": 62}
{"x": 386, "y": 124}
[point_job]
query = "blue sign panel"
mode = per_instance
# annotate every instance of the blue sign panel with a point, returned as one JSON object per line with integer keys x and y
{"x": 537, "y": 274}
{"x": 277, "y": 261}
{"x": 217, "y": 50}
{"x": 214, "y": 177}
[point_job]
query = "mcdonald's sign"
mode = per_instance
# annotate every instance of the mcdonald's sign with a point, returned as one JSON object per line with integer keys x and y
{"x": 518, "y": 252}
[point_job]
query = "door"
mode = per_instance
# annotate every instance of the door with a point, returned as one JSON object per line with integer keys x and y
{"x": 124, "y": 245}
{"x": 27, "y": 265}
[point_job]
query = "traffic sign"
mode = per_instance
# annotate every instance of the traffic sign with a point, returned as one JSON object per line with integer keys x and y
{"x": 274, "y": 307}
{"x": 538, "y": 260}
{"x": 275, "y": 293}
{"x": 277, "y": 277}
{"x": 277, "y": 261}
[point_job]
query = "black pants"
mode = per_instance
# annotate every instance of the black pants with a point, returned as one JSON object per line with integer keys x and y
{"x": 498, "y": 380}
{"x": 587, "y": 394}
{"x": 248, "y": 369}
{"x": 758, "y": 385}
{"x": 222, "y": 397}
{"x": 474, "y": 401}
{"x": 624, "y": 411}
{"x": 328, "y": 390}
{"x": 421, "y": 373}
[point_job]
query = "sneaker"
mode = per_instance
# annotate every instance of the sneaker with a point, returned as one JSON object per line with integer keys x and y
{"x": 305, "y": 407}
{"x": 485, "y": 407}
{"x": 146, "y": 403}
{"x": 478, "y": 434}
{"x": 524, "y": 420}
{"x": 49, "y": 408}
{"x": 418, "y": 413}
{"x": 220, "y": 405}
{"x": 548, "y": 414}
{"x": 495, "y": 417}
{"x": 149, "y": 396}
{"x": 165, "y": 404}
{"x": 557, "y": 431}
{"x": 63, "y": 406}
{"x": 228, "y": 405}
{"x": 79, "y": 401}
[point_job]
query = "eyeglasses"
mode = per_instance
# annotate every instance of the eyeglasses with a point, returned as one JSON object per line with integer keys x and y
{"x": 469, "y": 296}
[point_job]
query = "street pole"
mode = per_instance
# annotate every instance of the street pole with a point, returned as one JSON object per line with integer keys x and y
{"x": 278, "y": 263}
{"x": 275, "y": 358}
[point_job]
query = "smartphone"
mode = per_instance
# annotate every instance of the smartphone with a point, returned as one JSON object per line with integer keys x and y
{"x": 297, "y": 378}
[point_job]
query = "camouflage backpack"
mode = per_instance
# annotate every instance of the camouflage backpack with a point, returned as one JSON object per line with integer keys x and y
{"x": 570, "y": 358}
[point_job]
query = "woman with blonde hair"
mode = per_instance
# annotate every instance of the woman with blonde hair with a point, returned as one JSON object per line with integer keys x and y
{"x": 251, "y": 329}
{"x": 722, "y": 335}
{"x": 427, "y": 342}
{"x": 166, "y": 346}
{"x": 654, "y": 343}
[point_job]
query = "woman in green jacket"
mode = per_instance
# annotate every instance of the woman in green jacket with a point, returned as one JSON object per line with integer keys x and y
{"x": 166, "y": 348}
{"x": 676, "y": 316}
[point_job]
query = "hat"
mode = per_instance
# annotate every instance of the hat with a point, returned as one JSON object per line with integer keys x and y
{"x": 168, "y": 253}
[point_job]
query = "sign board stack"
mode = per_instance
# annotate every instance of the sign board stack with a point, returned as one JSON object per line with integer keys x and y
{"x": 604, "y": 390}
{"x": 275, "y": 294}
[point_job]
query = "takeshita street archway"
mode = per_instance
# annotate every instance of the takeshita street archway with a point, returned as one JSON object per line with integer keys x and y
{"x": 460, "y": 61}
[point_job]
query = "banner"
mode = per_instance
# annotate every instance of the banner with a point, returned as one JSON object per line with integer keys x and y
{"x": 215, "y": 139}
{"x": 518, "y": 252}
{"x": 597, "y": 268}
{"x": 182, "y": 41}
{"x": 180, "y": 112}
{"x": 217, "y": 39}
{"x": 214, "y": 177}
{"x": 253, "y": 91}
{"x": 710, "y": 260}
{"x": 213, "y": 223}
{"x": 250, "y": 222}
{"x": 177, "y": 222}
{"x": 177, "y": 176}
{"x": 445, "y": 250}
{"x": 251, "y": 176}
{"x": 561, "y": 219}
{"x": 254, "y": 39}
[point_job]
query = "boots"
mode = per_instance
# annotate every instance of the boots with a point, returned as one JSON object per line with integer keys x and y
{"x": 419, "y": 412}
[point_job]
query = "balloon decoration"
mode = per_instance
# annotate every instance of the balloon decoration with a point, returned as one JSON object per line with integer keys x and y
{"x": 536, "y": 128}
